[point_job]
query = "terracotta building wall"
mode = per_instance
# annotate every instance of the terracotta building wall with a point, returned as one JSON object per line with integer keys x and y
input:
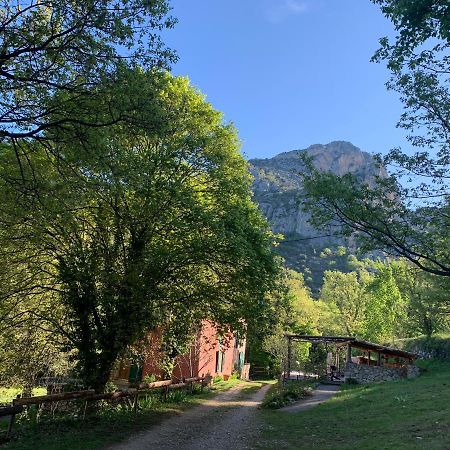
{"x": 208, "y": 355}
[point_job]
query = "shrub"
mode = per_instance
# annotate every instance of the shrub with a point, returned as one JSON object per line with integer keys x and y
{"x": 149, "y": 378}
{"x": 435, "y": 347}
{"x": 109, "y": 387}
{"x": 286, "y": 392}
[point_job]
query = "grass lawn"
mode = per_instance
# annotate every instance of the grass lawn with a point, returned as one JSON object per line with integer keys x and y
{"x": 406, "y": 414}
{"x": 107, "y": 427}
{"x": 8, "y": 394}
{"x": 246, "y": 386}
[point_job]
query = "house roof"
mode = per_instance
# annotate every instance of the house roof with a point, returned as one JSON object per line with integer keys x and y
{"x": 353, "y": 342}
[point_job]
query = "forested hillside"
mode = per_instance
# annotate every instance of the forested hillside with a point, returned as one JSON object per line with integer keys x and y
{"x": 279, "y": 192}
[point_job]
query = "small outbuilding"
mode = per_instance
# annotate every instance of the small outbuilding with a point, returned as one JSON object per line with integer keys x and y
{"x": 350, "y": 359}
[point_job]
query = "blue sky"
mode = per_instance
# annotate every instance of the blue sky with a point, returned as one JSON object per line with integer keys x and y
{"x": 290, "y": 73}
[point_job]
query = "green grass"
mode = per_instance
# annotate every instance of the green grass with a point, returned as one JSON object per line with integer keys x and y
{"x": 406, "y": 414}
{"x": 108, "y": 426}
{"x": 8, "y": 394}
{"x": 96, "y": 431}
{"x": 246, "y": 386}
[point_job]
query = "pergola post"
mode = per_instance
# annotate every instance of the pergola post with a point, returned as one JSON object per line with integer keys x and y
{"x": 379, "y": 359}
{"x": 289, "y": 355}
{"x": 349, "y": 354}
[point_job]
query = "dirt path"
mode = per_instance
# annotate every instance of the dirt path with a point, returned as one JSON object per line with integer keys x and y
{"x": 224, "y": 422}
{"x": 322, "y": 393}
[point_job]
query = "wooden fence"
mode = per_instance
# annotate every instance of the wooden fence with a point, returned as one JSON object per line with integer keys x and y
{"x": 19, "y": 403}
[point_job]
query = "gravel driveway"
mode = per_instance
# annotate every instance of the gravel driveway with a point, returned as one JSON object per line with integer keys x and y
{"x": 225, "y": 422}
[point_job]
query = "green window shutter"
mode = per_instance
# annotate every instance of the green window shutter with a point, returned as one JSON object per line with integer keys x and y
{"x": 135, "y": 373}
{"x": 241, "y": 360}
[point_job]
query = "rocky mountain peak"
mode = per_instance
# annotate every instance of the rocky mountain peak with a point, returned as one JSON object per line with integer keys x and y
{"x": 277, "y": 189}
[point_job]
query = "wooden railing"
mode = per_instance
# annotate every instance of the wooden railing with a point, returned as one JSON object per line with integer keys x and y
{"x": 89, "y": 395}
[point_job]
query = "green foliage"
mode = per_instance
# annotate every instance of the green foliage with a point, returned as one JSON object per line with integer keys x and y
{"x": 8, "y": 394}
{"x": 427, "y": 300}
{"x": 111, "y": 423}
{"x": 67, "y": 50}
{"x": 347, "y": 294}
{"x": 110, "y": 387}
{"x": 268, "y": 363}
{"x": 383, "y": 301}
{"x": 436, "y": 347}
{"x": 405, "y": 214}
{"x": 385, "y": 313}
{"x": 284, "y": 393}
{"x": 149, "y": 378}
{"x": 142, "y": 225}
{"x": 299, "y": 314}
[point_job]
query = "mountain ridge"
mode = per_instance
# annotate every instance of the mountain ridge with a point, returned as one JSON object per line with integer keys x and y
{"x": 277, "y": 188}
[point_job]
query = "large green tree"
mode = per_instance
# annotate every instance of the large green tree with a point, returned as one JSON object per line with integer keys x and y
{"x": 55, "y": 47}
{"x": 347, "y": 294}
{"x": 407, "y": 213}
{"x": 426, "y": 296}
{"x": 138, "y": 225}
{"x": 386, "y": 309}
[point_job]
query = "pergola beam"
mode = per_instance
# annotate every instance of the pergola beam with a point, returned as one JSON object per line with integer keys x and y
{"x": 353, "y": 343}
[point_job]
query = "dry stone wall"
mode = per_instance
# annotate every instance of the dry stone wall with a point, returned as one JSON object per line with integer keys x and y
{"x": 364, "y": 374}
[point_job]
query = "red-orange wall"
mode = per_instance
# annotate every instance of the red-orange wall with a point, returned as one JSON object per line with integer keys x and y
{"x": 201, "y": 359}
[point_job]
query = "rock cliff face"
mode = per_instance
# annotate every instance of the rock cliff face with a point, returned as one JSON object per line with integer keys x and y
{"x": 278, "y": 191}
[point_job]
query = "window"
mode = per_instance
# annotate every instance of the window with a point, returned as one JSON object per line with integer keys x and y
{"x": 220, "y": 361}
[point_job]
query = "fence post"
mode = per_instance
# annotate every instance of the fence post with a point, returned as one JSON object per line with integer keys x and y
{"x": 12, "y": 418}
{"x": 10, "y": 425}
{"x": 85, "y": 408}
{"x": 136, "y": 397}
{"x": 11, "y": 422}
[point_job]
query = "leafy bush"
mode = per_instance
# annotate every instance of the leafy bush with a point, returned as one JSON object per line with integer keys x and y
{"x": 286, "y": 392}
{"x": 109, "y": 387}
{"x": 217, "y": 379}
{"x": 149, "y": 378}
{"x": 435, "y": 347}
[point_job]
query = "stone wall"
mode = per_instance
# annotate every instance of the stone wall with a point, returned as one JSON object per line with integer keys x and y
{"x": 363, "y": 373}
{"x": 412, "y": 371}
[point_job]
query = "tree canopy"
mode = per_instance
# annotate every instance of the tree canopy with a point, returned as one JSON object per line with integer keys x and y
{"x": 55, "y": 53}
{"x": 406, "y": 213}
{"x": 143, "y": 224}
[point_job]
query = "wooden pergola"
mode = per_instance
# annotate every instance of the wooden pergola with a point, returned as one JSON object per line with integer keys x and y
{"x": 350, "y": 342}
